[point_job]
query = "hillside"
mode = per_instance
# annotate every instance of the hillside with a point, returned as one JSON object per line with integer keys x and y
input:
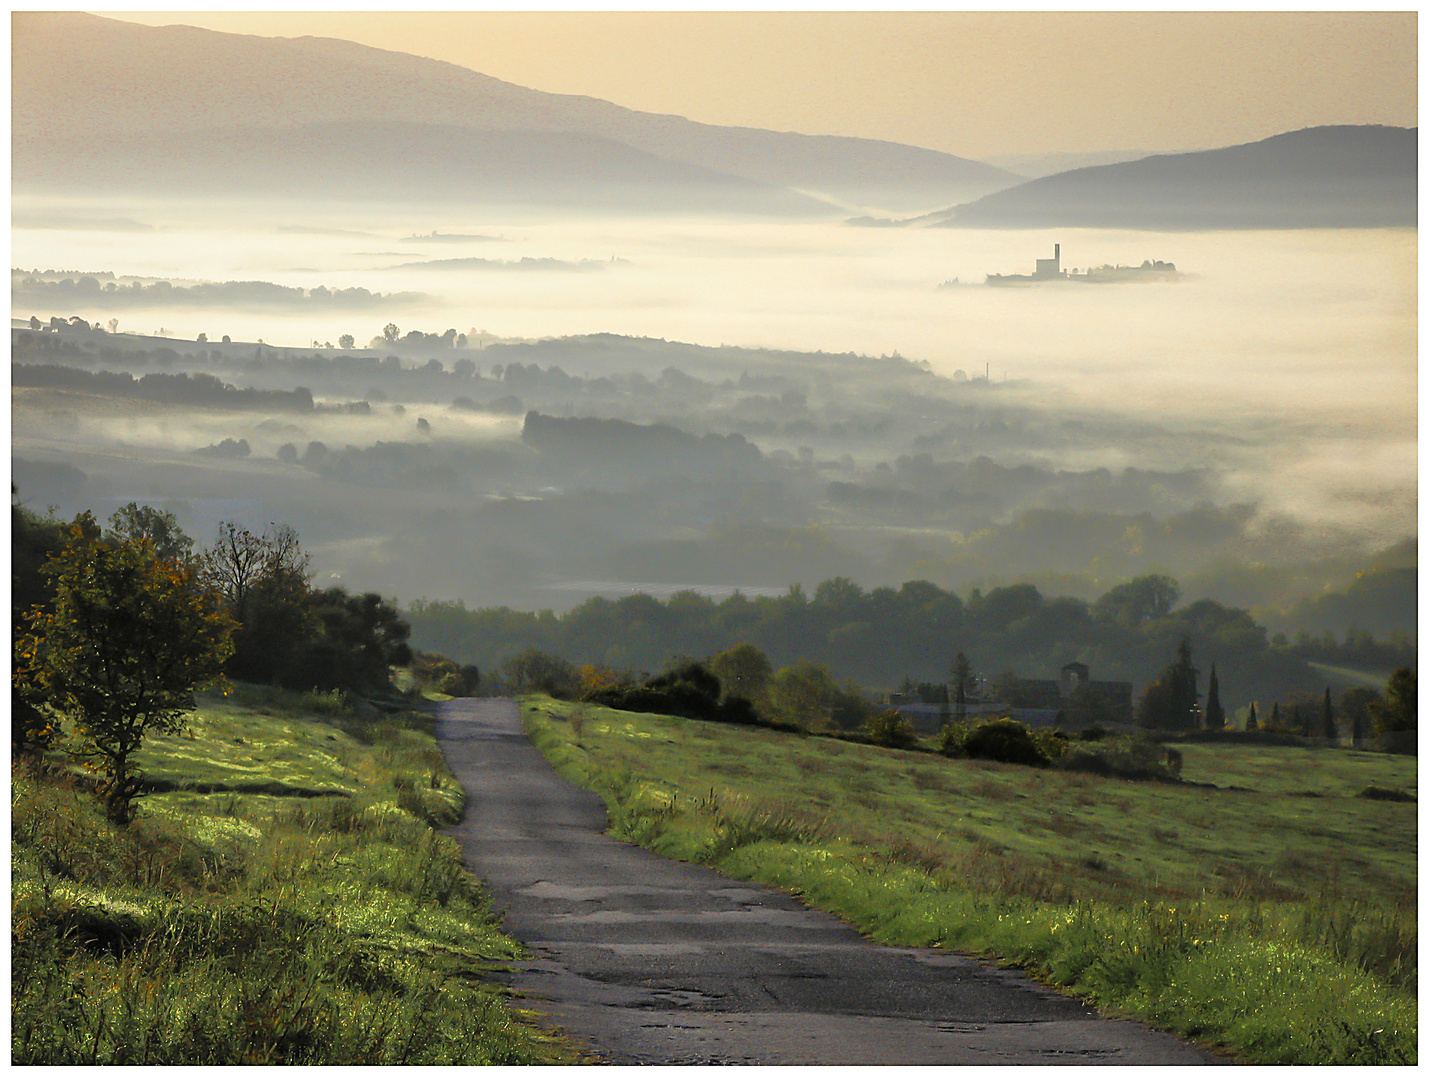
{"x": 285, "y": 898}
{"x": 115, "y": 88}
{"x": 1326, "y": 177}
{"x": 1205, "y": 907}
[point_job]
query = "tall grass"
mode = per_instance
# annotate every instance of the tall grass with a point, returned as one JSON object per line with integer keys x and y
{"x": 226, "y": 928}
{"x": 1248, "y": 961}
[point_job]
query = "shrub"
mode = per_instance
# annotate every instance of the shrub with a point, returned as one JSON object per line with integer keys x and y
{"x": 1372, "y": 791}
{"x": 889, "y": 728}
{"x": 1128, "y": 759}
{"x": 1003, "y": 740}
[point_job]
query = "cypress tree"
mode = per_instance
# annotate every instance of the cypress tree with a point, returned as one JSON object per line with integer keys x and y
{"x": 1252, "y": 724}
{"x": 1214, "y": 717}
{"x": 960, "y": 669}
{"x": 1330, "y": 723}
{"x": 1273, "y": 720}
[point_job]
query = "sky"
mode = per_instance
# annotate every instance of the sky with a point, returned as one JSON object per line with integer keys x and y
{"x": 978, "y": 84}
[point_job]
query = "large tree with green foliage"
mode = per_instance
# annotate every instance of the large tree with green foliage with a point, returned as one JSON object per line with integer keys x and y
{"x": 744, "y": 671}
{"x": 127, "y": 640}
{"x": 803, "y": 694}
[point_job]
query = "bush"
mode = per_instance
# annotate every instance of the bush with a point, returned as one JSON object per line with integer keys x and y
{"x": 889, "y": 728}
{"x": 1372, "y": 791}
{"x": 999, "y": 740}
{"x": 1128, "y": 759}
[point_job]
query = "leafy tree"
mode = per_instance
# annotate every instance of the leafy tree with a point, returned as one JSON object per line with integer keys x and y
{"x": 1354, "y": 705}
{"x": 1397, "y": 709}
{"x": 345, "y": 341}
{"x": 1171, "y": 700}
{"x": 533, "y": 670}
{"x": 34, "y": 542}
{"x": 802, "y": 694}
{"x": 1330, "y": 723}
{"x": 744, "y": 671}
{"x": 159, "y": 527}
{"x": 390, "y": 333}
{"x": 1136, "y": 602}
{"x": 359, "y": 638}
{"x": 1213, "y": 715}
{"x": 129, "y": 638}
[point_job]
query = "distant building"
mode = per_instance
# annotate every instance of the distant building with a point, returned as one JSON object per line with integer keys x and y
{"x": 1072, "y": 701}
{"x": 1045, "y": 269}
{"x": 1053, "y": 270}
{"x": 1078, "y": 699}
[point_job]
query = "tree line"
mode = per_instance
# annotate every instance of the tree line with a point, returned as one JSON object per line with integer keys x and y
{"x": 883, "y": 636}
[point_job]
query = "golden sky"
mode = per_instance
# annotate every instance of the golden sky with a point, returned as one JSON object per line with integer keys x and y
{"x": 976, "y": 84}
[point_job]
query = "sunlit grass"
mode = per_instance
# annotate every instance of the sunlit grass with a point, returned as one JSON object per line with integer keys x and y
{"x": 283, "y": 898}
{"x": 1263, "y": 908}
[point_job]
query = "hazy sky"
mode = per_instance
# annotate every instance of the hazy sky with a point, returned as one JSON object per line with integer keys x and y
{"x": 975, "y": 84}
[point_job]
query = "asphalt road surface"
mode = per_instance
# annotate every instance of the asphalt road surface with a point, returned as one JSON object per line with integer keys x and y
{"x": 643, "y": 960}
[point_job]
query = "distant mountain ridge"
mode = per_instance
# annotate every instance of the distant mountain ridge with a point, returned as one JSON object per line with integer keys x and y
{"x": 1323, "y": 177}
{"x": 95, "y": 98}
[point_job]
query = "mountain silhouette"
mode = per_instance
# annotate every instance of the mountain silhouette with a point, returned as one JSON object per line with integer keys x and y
{"x": 100, "y": 104}
{"x": 1322, "y": 177}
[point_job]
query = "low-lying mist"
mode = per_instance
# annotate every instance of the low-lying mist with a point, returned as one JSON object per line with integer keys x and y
{"x": 1271, "y": 390}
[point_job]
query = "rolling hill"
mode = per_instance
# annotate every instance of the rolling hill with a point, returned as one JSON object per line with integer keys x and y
{"x": 1324, "y": 177}
{"x": 101, "y": 104}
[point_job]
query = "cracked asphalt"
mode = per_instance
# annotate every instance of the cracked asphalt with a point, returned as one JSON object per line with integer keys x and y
{"x": 643, "y": 960}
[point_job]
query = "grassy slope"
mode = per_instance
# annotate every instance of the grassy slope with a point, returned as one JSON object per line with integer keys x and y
{"x": 287, "y": 899}
{"x": 1273, "y": 915}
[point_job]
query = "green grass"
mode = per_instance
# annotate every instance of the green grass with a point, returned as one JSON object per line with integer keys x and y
{"x": 282, "y": 898}
{"x": 1261, "y": 907}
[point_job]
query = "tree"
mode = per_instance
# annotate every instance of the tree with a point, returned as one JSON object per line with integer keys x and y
{"x": 264, "y": 580}
{"x": 744, "y": 671}
{"x": 390, "y": 333}
{"x": 159, "y": 527}
{"x": 1171, "y": 700}
{"x": 533, "y": 670}
{"x": 239, "y": 561}
{"x": 1274, "y": 724}
{"x": 130, "y": 637}
{"x": 960, "y": 670}
{"x": 802, "y": 694}
{"x": 345, "y": 341}
{"x": 342, "y": 642}
{"x": 1213, "y": 715}
{"x": 1136, "y": 602}
{"x": 1330, "y": 723}
{"x": 1252, "y": 724}
{"x": 1397, "y": 709}
{"x": 1354, "y": 705}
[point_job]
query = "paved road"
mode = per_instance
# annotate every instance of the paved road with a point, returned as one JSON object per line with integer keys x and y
{"x": 643, "y": 960}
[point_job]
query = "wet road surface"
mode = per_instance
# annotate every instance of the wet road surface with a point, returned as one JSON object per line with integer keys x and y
{"x": 643, "y": 960}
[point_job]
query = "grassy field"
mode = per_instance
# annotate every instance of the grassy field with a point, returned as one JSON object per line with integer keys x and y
{"x": 284, "y": 897}
{"x": 1262, "y": 906}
